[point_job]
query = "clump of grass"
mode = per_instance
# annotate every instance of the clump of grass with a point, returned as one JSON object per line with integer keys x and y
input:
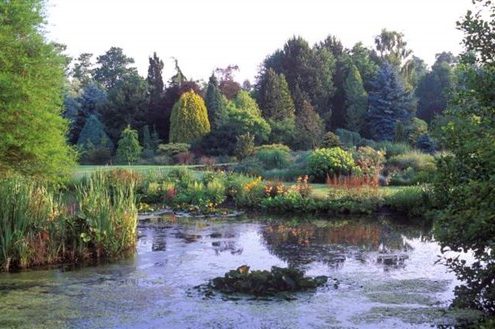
{"x": 108, "y": 213}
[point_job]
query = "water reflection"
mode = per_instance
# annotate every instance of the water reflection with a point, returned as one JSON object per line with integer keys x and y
{"x": 301, "y": 243}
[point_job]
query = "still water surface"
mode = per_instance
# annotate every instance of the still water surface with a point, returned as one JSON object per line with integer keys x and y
{"x": 155, "y": 288}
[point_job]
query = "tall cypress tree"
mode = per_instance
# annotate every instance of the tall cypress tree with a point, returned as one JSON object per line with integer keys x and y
{"x": 274, "y": 97}
{"x": 389, "y": 103}
{"x": 356, "y": 100}
{"x": 93, "y": 135}
{"x": 156, "y": 110}
{"x": 310, "y": 127}
{"x": 189, "y": 119}
{"x": 214, "y": 104}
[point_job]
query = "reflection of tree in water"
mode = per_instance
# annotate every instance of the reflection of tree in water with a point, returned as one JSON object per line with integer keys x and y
{"x": 303, "y": 243}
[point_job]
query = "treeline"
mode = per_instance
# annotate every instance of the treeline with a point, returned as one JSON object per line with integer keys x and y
{"x": 300, "y": 93}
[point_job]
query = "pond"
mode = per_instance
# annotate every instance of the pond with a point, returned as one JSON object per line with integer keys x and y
{"x": 383, "y": 273}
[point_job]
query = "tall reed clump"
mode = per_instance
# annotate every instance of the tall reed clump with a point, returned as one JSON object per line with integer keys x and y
{"x": 108, "y": 212}
{"x": 26, "y": 212}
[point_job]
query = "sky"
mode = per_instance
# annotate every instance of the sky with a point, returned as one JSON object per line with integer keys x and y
{"x": 207, "y": 34}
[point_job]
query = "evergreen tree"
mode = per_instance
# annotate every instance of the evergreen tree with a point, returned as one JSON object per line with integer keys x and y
{"x": 113, "y": 66}
{"x": 389, "y": 103}
{"x": 82, "y": 70}
{"x": 189, "y": 119}
{"x": 126, "y": 105}
{"x": 93, "y": 135}
{"x": 128, "y": 149}
{"x": 156, "y": 110}
{"x": 32, "y": 130}
{"x": 310, "y": 127}
{"x": 434, "y": 88}
{"x": 362, "y": 57}
{"x": 356, "y": 100}
{"x": 148, "y": 150}
{"x": 214, "y": 103}
{"x": 274, "y": 97}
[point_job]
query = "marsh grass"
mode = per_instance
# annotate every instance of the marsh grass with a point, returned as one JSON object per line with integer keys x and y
{"x": 96, "y": 217}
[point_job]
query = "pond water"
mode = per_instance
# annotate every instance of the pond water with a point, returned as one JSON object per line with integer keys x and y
{"x": 155, "y": 288}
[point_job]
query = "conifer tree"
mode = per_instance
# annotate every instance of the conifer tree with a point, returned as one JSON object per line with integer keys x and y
{"x": 189, "y": 119}
{"x": 389, "y": 103}
{"x": 214, "y": 104}
{"x": 156, "y": 110}
{"x": 310, "y": 127}
{"x": 356, "y": 100}
{"x": 128, "y": 149}
{"x": 93, "y": 135}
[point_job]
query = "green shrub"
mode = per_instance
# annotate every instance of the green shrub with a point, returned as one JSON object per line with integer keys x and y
{"x": 244, "y": 146}
{"x": 369, "y": 161}
{"x": 330, "y": 140}
{"x": 249, "y": 166}
{"x": 392, "y": 149}
{"x": 412, "y": 200}
{"x": 202, "y": 197}
{"x": 274, "y": 156}
{"x": 349, "y": 138}
{"x": 325, "y": 163}
{"x": 173, "y": 149}
{"x": 416, "y": 160}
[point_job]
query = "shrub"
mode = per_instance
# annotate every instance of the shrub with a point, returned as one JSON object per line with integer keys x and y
{"x": 202, "y": 197}
{"x": 274, "y": 156}
{"x": 393, "y": 149}
{"x": 412, "y": 200}
{"x": 128, "y": 149}
{"x": 330, "y": 140}
{"x": 426, "y": 144}
{"x": 244, "y": 146}
{"x": 173, "y": 149}
{"x": 414, "y": 159}
{"x": 249, "y": 166}
{"x": 189, "y": 119}
{"x": 184, "y": 158}
{"x": 330, "y": 162}
{"x": 369, "y": 161}
{"x": 349, "y": 138}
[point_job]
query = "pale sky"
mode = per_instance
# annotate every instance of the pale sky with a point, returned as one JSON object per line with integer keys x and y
{"x": 206, "y": 34}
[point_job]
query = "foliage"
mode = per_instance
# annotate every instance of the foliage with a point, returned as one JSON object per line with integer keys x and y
{"x": 265, "y": 283}
{"x": 465, "y": 186}
{"x": 393, "y": 149}
{"x": 414, "y": 159}
{"x": 128, "y": 149}
{"x": 32, "y": 131}
{"x": 349, "y": 138}
{"x": 156, "y": 87}
{"x": 426, "y": 144}
{"x": 330, "y": 140}
{"x": 248, "y": 122}
{"x": 244, "y": 146}
{"x": 330, "y": 162}
{"x": 215, "y": 104}
{"x": 273, "y": 156}
{"x": 107, "y": 212}
{"x": 310, "y": 127}
{"x": 369, "y": 161}
{"x": 434, "y": 88}
{"x": 189, "y": 120}
{"x": 389, "y": 103}
{"x": 93, "y": 134}
{"x": 113, "y": 68}
{"x": 172, "y": 149}
{"x": 274, "y": 97}
{"x": 356, "y": 100}
{"x": 412, "y": 201}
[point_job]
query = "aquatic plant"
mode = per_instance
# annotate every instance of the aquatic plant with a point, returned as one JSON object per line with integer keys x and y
{"x": 266, "y": 283}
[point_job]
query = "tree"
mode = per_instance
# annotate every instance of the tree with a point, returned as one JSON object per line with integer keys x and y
{"x": 227, "y": 85}
{"x": 465, "y": 185}
{"x": 310, "y": 127}
{"x": 189, "y": 120}
{"x": 113, "y": 67}
{"x": 93, "y": 134}
{"x": 392, "y": 47}
{"x": 356, "y": 100}
{"x": 362, "y": 58}
{"x": 389, "y": 103}
{"x": 156, "y": 111}
{"x": 32, "y": 130}
{"x": 434, "y": 88}
{"x": 126, "y": 105}
{"x": 244, "y": 146}
{"x": 214, "y": 103}
{"x": 148, "y": 150}
{"x": 128, "y": 149}
{"x": 82, "y": 70}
